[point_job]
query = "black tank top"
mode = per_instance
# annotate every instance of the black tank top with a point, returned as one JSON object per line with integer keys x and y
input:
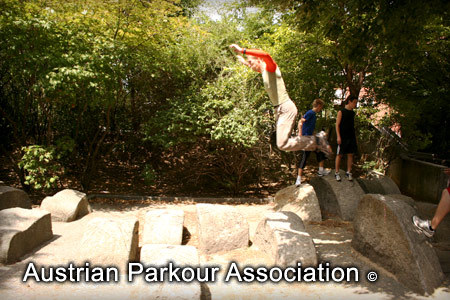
{"x": 347, "y": 125}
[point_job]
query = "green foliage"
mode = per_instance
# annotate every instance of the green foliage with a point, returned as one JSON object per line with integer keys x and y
{"x": 146, "y": 77}
{"x": 397, "y": 50}
{"x": 40, "y": 166}
{"x": 149, "y": 174}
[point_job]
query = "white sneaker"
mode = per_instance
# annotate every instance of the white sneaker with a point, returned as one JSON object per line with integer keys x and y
{"x": 349, "y": 176}
{"x": 323, "y": 173}
{"x": 298, "y": 182}
{"x": 337, "y": 176}
{"x": 423, "y": 226}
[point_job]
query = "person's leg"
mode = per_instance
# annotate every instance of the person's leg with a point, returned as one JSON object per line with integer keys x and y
{"x": 301, "y": 165}
{"x": 348, "y": 174}
{"x": 349, "y": 162}
{"x": 428, "y": 227}
{"x": 442, "y": 210}
{"x": 286, "y": 116}
{"x": 298, "y": 181}
{"x": 321, "y": 164}
{"x": 321, "y": 159}
{"x": 337, "y": 164}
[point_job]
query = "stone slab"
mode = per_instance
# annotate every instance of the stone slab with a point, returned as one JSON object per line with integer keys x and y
{"x": 383, "y": 232}
{"x": 389, "y": 186}
{"x": 12, "y": 197}
{"x": 22, "y": 230}
{"x": 337, "y": 197}
{"x": 300, "y": 200}
{"x": 370, "y": 186}
{"x": 67, "y": 205}
{"x": 110, "y": 242}
{"x": 283, "y": 236}
{"x": 378, "y": 184}
{"x": 163, "y": 226}
{"x": 221, "y": 228}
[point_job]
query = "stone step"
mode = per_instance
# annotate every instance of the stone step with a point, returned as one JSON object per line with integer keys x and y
{"x": 383, "y": 232}
{"x": 67, "y": 205}
{"x": 300, "y": 200}
{"x": 22, "y": 230}
{"x": 163, "y": 226}
{"x": 12, "y": 197}
{"x": 110, "y": 242}
{"x": 283, "y": 236}
{"x": 221, "y": 228}
{"x": 337, "y": 197}
{"x": 379, "y": 185}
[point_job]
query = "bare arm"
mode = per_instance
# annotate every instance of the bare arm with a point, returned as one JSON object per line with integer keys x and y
{"x": 300, "y": 126}
{"x": 271, "y": 66}
{"x": 243, "y": 60}
{"x": 338, "y": 131}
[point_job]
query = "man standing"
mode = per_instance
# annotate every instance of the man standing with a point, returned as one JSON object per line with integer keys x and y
{"x": 346, "y": 136}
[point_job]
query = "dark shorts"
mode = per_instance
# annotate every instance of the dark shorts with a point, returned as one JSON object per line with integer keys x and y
{"x": 347, "y": 146}
{"x": 301, "y": 163}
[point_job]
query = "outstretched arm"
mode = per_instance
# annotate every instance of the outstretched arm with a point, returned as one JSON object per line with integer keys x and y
{"x": 271, "y": 66}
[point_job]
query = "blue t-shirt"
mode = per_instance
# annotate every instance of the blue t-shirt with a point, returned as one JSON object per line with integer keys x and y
{"x": 310, "y": 123}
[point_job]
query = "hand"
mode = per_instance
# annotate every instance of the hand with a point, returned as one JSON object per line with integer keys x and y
{"x": 339, "y": 141}
{"x": 236, "y": 48}
{"x": 241, "y": 60}
{"x": 329, "y": 149}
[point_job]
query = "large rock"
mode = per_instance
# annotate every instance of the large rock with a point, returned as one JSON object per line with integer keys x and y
{"x": 337, "y": 197}
{"x": 163, "y": 226}
{"x": 383, "y": 232}
{"x": 283, "y": 236}
{"x": 12, "y": 197}
{"x": 110, "y": 242}
{"x": 379, "y": 184}
{"x": 300, "y": 200}
{"x": 67, "y": 205}
{"x": 221, "y": 228}
{"x": 389, "y": 186}
{"x": 22, "y": 230}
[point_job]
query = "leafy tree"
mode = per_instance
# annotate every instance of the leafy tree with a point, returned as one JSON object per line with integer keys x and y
{"x": 398, "y": 50}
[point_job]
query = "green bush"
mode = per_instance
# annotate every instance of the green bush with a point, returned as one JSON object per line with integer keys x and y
{"x": 40, "y": 166}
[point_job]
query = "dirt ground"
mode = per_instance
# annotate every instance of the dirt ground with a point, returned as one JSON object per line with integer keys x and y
{"x": 331, "y": 237}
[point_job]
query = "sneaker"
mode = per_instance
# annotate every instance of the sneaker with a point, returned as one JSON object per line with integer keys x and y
{"x": 349, "y": 176}
{"x": 323, "y": 173}
{"x": 423, "y": 225}
{"x": 298, "y": 182}
{"x": 337, "y": 176}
